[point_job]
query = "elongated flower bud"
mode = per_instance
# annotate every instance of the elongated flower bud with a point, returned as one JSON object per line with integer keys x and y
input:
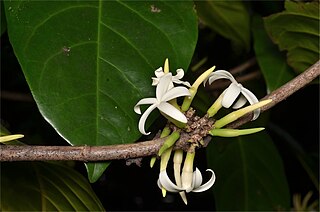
{"x": 194, "y": 88}
{"x": 238, "y": 113}
{"x": 177, "y": 161}
{"x": 187, "y": 172}
{"x": 216, "y": 106}
{"x": 234, "y": 132}
{"x": 169, "y": 142}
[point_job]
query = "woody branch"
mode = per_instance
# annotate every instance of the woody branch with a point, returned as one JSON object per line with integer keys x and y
{"x": 140, "y": 149}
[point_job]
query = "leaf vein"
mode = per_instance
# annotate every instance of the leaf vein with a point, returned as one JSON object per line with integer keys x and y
{"x": 48, "y": 18}
{"x": 155, "y": 26}
{"x": 129, "y": 42}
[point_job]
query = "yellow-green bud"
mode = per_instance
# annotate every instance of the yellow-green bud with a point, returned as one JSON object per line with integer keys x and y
{"x": 231, "y": 117}
{"x": 234, "y": 132}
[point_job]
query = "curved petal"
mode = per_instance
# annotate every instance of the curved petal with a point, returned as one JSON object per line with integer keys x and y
{"x": 173, "y": 112}
{"x": 155, "y": 81}
{"x": 252, "y": 100}
{"x": 240, "y": 102}
{"x": 145, "y": 101}
{"x": 221, "y": 74}
{"x": 174, "y": 93}
{"x": 198, "y": 178}
{"x": 159, "y": 72}
{"x": 208, "y": 184}
{"x": 232, "y": 92}
{"x": 166, "y": 183}
{"x": 143, "y": 119}
{"x": 186, "y": 83}
{"x": 159, "y": 184}
{"x": 182, "y": 82}
{"x": 179, "y": 75}
{"x": 163, "y": 85}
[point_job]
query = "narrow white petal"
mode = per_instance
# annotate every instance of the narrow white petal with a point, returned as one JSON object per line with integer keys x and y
{"x": 144, "y": 117}
{"x": 179, "y": 75}
{"x": 166, "y": 183}
{"x": 145, "y": 101}
{"x": 182, "y": 82}
{"x": 163, "y": 85}
{"x": 232, "y": 92}
{"x": 175, "y": 93}
{"x": 197, "y": 178}
{"x": 155, "y": 81}
{"x": 252, "y": 100}
{"x": 159, "y": 72}
{"x": 159, "y": 183}
{"x": 208, "y": 184}
{"x": 185, "y": 83}
{"x": 221, "y": 74}
{"x": 173, "y": 112}
{"x": 226, "y": 74}
{"x": 170, "y": 86}
{"x": 240, "y": 102}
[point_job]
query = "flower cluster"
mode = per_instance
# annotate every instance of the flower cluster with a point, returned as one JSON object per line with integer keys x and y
{"x": 235, "y": 95}
{"x": 165, "y": 91}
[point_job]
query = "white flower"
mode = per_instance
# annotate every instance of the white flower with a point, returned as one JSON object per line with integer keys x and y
{"x": 174, "y": 79}
{"x": 163, "y": 94}
{"x": 165, "y": 182}
{"x": 233, "y": 91}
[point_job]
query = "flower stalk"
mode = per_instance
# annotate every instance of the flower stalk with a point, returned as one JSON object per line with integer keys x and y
{"x": 171, "y": 139}
{"x": 165, "y": 132}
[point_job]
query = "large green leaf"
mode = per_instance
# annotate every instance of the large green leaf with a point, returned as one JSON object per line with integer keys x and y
{"x": 273, "y": 63}
{"x": 250, "y": 174}
{"x": 229, "y": 19}
{"x": 296, "y": 30}
{"x": 89, "y": 62}
{"x": 40, "y": 186}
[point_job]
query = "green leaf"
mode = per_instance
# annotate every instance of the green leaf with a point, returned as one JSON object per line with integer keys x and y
{"x": 296, "y": 30}
{"x": 40, "y": 186}
{"x": 89, "y": 62}
{"x": 250, "y": 174}
{"x": 229, "y": 19}
{"x": 273, "y": 63}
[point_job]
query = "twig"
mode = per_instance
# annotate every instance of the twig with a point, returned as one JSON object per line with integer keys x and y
{"x": 243, "y": 66}
{"x": 14, "y": 96}
{"x": 141, "y": 149}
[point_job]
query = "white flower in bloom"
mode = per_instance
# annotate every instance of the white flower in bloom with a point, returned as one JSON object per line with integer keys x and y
{"x": 174, "y": 79}
{"x": 233, "y": 91}
{"x": 165, "y": 182}
{"x": 163, "y": 94}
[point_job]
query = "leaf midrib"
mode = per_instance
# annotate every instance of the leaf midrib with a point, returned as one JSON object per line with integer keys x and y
{"x": 98, "y": 68}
